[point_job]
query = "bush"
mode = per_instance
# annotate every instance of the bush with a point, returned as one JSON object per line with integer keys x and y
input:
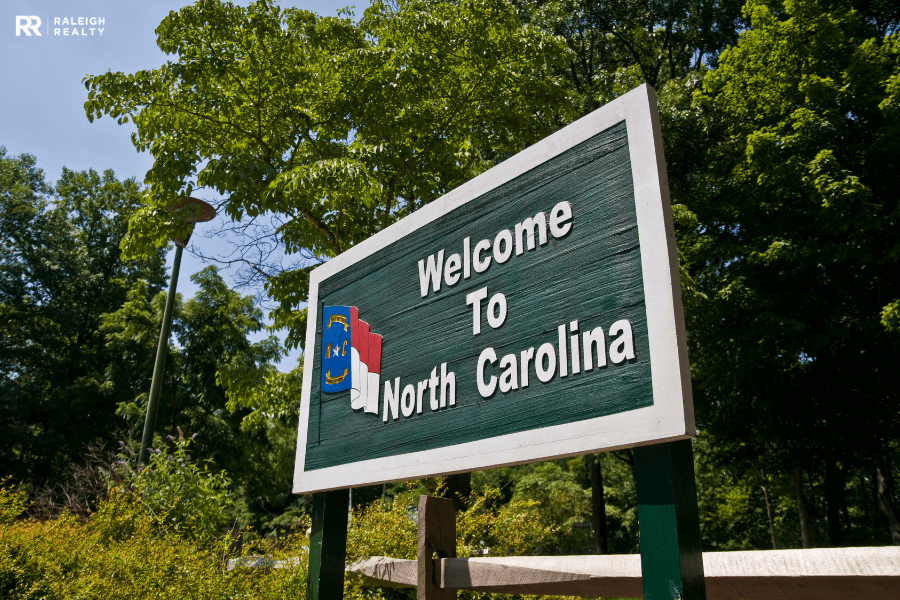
{"x": 482, "y": 530}
{"x": 122, "y": 552}
{"x": 12, "y": 502}
{"x": 186, "y": 497}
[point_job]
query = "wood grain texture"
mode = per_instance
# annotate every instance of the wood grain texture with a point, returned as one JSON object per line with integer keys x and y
{"x": 816, "y": 574}
{"x": 436, "y": 540}
{"x": 592, "y": 275}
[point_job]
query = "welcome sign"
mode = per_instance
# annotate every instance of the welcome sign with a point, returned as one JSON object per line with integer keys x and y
{"x": 532, "y": 313}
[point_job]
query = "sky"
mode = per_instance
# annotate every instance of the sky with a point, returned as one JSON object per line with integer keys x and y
{"x": 42, "y": 95}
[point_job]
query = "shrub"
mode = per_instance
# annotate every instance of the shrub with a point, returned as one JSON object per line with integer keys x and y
{"x": 122, "y": 552}
{"x": 185, "y": 496}
{"x": 12, "y": 502}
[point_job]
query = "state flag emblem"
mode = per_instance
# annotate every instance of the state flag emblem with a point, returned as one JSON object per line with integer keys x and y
{"x": 351, "y": 357}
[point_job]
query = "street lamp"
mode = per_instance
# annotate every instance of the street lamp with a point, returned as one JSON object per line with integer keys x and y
{"x": 192, "y": 211}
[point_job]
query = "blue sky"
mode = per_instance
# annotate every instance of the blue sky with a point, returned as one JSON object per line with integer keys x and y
{"x": 42, "y": 95}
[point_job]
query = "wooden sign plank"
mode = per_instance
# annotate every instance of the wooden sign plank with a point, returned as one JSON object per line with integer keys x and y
{"x": 534, "y": 312}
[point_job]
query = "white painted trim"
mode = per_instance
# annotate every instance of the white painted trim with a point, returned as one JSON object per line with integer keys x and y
{"x": 670, "y": 418}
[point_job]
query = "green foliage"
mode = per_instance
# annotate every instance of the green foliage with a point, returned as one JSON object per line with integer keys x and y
{"x": 121, "y": 552}
{"x": 59, "y": 274}
{"x": 557, "y": 495}
{"x": 260, "y": 387}
{"x": 487, "y": 528}
{"x": 13, "y": 502}
{"x": 792, "y": 249}
{"x": 890, "y": 316}
{"x": 125, "y": 551}
{"x": 337, "y": 127}
{"x": 189, "y": 497}
{"x": 212, "y": 386}
{"x": 557, "y": 499}
{"x": 615, "y": 46}
{"x": 732, "y": 506}
{"x": 78, "y": 337}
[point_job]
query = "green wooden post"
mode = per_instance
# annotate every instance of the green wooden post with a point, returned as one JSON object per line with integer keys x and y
{"x": 328, "y": 546}
{"x": 671, "y": 554}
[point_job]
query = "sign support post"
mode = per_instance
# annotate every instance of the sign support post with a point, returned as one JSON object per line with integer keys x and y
{"x": 328, "y": 545}
{"x": 671, "y": 554}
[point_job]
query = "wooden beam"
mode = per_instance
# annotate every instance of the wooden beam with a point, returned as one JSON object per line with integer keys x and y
{"x": 818, "y": 574}
{"x": 671, "y": 555}
{"x": 437, "y": 540}
{"x": 328, "y": 546}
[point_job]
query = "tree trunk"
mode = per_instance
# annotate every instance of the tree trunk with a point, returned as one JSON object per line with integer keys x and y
{"x": 768, "y": 511}
{"x": 459, "y": 488}
{"x": 627, "y": 457}
{"x": 884, "y": 484}
{"x": 801, "y": 508}
{"x": 845, "y": 512}
{"x": 876, "y": 518}
{"x": 833, "y": 494}
{"x": 598, "y": 505}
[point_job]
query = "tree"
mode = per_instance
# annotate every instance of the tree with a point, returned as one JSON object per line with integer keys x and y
{"x": 790, "y": 229}
{"x": 615, "y": 46}
{"x": 334, "y": 129}
{"x": 59, "y": 272}
{"x": 213, "y": 351}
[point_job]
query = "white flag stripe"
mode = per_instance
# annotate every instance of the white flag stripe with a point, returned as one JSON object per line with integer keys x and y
{"x": 356, "y": 399}
{"x": 372, "y": 400}
{"x": 363, "y": 385}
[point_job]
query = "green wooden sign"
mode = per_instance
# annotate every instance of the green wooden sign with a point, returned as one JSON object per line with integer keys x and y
{"x": 532, "y": 313}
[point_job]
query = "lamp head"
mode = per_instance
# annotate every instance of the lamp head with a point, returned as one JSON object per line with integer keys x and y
{"x": 193, "y": 211}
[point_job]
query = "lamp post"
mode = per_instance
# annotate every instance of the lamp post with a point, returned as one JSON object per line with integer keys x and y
{"x": 193, "y": 211}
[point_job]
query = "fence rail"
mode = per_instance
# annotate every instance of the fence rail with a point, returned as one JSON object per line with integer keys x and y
{"x": 816, "y": 574}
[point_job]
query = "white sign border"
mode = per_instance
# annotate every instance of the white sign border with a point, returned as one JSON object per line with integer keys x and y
{"x": 671, "y": 417}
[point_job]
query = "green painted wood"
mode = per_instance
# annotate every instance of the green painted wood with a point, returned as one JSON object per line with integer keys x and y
{"x": 328, "y": 546}
{"x": 592, "y": 275}
{"x": 671, "y": 552}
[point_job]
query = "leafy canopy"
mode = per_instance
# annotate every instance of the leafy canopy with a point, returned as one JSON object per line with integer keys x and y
{"x": 334, "y": 127}
{"x": 209, "y": 385}
{"x": 792, "y": 236}
{"x": 60, "y": 271}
